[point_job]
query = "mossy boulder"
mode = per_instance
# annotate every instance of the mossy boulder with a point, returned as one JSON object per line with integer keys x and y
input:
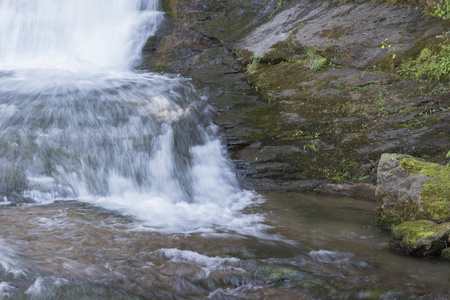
{"x": 410, "y": 189}
{"x": 421, "y": 238}
{"x": 445, "y": 253}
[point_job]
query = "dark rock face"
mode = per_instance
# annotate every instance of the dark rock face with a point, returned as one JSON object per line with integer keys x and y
{"x": 411, "y": 189}
{"x": 308, "y": 122}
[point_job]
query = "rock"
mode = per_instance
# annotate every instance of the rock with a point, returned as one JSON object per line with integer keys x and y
{"x": 349, "y": 34}
{"x": 421, "y": 238}
{"x": 356, "y": 190}
{"x": 411, "y": 189}
{"x": 445, "y": 253}
{"x": 321, "y": 126}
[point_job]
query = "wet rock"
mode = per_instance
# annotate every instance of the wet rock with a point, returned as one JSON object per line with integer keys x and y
{"x": 358, "y": 190}
{"x": 421, "y": 238}
{"x": 445, "y": 253}
{"x": 349, "y": 34}
{"x": 13, "y": 197}
{"x": 411, "y": 189}
{"x": 329, "y": 125}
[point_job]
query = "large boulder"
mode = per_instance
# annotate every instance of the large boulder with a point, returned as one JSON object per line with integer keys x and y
{"x": 410, "y": 189}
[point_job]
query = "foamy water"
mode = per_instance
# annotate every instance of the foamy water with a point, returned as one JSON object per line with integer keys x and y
{"x": 76, "y": 122}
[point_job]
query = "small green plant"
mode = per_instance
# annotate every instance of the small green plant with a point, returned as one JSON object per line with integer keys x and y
{"x": 254, "y": 65}
{"x": 435, "y": 66}
{"x": 316, "y": 61}
{"x": 432, "y": 63}
{"x": 442, "y": 9}
{"x": 406, "y": 68}
{"x": 311, "y": 146}
{"x": 295, "y": 136}
{"x": 311, "y": 51}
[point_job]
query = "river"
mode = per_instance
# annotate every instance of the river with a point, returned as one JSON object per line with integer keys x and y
{"x": 114, "y": 183}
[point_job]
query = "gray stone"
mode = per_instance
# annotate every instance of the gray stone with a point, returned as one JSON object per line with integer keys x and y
{"x": 350, "y": 35}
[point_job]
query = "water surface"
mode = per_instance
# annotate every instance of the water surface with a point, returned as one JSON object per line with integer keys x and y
{"x": 317, "y": 247}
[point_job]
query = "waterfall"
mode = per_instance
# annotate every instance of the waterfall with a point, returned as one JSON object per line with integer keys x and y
{"x": 54, "y": 33}
{"x": 77, "y": 123}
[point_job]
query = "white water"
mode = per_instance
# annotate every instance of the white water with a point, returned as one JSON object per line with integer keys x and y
{"x": 77, "y": 123}
{"x": 48, "y": 33}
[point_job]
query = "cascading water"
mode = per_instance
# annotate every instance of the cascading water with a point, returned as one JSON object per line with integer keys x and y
{"x": 77, "y": 123}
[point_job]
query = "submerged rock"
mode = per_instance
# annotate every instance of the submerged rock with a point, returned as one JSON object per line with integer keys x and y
{"x": 411, "y": 189}
{"x": 421, "y": 238}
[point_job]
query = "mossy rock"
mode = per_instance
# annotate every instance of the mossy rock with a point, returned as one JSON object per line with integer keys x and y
{"x": 412, "y": 189}
{"x": 158, "y": 68}
{"x": 421, "y": 237}
{"x": 445, "y": 253}
{"x": 280, "y": 274}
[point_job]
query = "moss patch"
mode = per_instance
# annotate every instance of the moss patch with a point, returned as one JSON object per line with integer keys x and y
{"x": 331, "y": 113}
{"x": 167, "y": 7}
{"x": 436, "y": 192}
{"x": 445, "y": 253}
{"x": 422, "y": 237}
{"x": 158, "y": 68}
{"x": 280, "y": 274}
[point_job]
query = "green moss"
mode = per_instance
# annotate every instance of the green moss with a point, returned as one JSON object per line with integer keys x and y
{"x": 445, "y": 253}
{"x": 280, "y": 274}
{"x": 436, "y": 193}
{"x": 167, "y": 7}
{"x": 281, "y": 52}
{"x": 422, "y": 237}
{"x": 158, "y": 68}
{"x": 151, "y": 40}
{"x": 412, "y": 231}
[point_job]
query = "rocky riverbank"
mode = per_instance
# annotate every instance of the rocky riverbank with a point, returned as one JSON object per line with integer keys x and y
{"x": 310, "y": 94}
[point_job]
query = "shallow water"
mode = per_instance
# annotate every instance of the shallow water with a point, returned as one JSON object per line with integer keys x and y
{"x": 317, "y": 247}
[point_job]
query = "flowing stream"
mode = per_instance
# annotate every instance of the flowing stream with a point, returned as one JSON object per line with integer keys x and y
{"x": 114, "y": 184}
